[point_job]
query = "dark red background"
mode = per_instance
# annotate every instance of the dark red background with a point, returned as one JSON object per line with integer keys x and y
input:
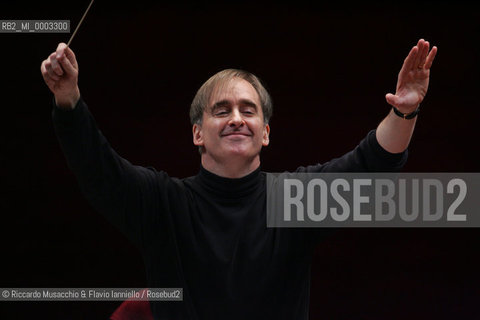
{"x": 327, "y": 66}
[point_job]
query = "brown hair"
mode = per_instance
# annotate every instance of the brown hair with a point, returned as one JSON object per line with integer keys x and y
{"x": 201, "y": 99}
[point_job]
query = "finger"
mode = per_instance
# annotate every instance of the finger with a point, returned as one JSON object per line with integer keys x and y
{"x": 423, "y": 54}
{"x": 421, "y": 47}
{"x": 71, "y": 56}
{"x": 430, "y": 57}
{"x": 410, "y": 59}
{"x": 63, "y": 50}
{"x": 50, "y": 73}
{"x": 60, "y": 49}
{"x": 42, "y": 68}
{"x": 55, "y": 65}
{"x": 67, "y": 66}
{"x": 48, "y": 67}
{"x": 391, "y": 99}
{"x": 49, "y": 81}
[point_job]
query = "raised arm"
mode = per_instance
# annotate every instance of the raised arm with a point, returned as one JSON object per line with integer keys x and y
{"x": 394, "y": 132}
{"x": 125, "y": 194}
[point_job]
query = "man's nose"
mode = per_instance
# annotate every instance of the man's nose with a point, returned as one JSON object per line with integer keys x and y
{"x": 236, "y": 119}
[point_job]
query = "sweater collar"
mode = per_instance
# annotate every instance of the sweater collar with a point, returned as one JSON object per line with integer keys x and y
{"x": 230, "y": 187}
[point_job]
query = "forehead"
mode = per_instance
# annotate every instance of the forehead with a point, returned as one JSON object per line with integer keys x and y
{"x": 234, "y": 90}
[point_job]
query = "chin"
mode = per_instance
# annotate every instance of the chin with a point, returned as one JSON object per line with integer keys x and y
{"x": 244, "y": 152}
{"x": 238, "y": 152}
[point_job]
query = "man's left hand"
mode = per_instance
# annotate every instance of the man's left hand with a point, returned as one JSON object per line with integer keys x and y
{"x": 412, "y": 83}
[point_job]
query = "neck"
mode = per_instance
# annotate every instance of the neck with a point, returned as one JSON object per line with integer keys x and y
{"x": 232, "y": 168}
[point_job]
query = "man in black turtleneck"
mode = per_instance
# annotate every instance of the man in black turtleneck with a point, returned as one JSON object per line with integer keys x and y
{"x": 207, "y": 234}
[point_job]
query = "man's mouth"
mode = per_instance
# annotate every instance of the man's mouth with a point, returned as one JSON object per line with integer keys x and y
{"x": 235, "y": 134}
{"x": 245, "y": 134}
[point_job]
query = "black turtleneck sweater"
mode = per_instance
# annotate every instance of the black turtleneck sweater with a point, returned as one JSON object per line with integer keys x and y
{"x": 206, "y": 234}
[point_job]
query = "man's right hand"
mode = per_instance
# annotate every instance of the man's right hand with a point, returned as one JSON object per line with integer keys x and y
{"x": 60, "y": 72}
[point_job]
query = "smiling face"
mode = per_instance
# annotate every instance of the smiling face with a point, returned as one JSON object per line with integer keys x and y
{"x": 233, "y": 126}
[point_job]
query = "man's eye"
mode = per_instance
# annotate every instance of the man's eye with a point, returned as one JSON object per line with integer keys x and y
{"x": 221, "y": 113}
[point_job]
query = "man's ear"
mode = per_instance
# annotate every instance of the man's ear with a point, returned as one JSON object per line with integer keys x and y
{"x": 266, "y": 135}
{"x": 197, "y": 135}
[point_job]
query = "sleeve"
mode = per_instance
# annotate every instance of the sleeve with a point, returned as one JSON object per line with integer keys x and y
{"x": 368, "y": 156}
{"x": 125, "y": 194}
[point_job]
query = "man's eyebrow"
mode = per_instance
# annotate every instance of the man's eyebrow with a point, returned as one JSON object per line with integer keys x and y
{"x": 221, "y": 103}
{"x": 248, "y": 102}
{"x": 225, "y": 103}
